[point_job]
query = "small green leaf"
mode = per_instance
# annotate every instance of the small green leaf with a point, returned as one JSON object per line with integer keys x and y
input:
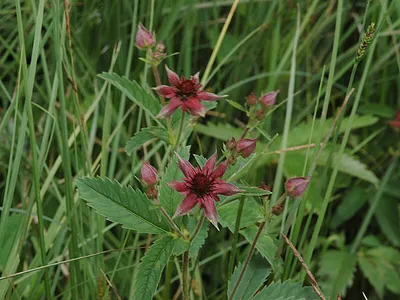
{"x": 201, "y": 160}
{"x": 286, "y": 291}
{"x": 381, "y": 265}
{"x": 122, "y": 204}
{"x": 145, "y": 135}
{"x": 252, "y": 212}
{"x": 388, "y": 218}
{"x": 151, "y": 268}
{"x": 236, "y": 105}
{"x": 252, "y": 190}
{"x": 136, "y": 93}
{"x": 254, "y": 276}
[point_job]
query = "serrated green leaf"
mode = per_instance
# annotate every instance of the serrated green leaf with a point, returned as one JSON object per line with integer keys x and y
{"x": 198, "y": 241}
{"x": 286, "y": 291}
{"x": 145, "y": 135}
{"x": 298, "y": 135}
{"x": 388, "y": 218}
{"x": 136, "y": 93}
{"x": 151, "y": 268}
{"x": 254, "y": 276}
{"x": 122, "y": 204}
{"x": 336, "y": 272}
{"x": 381, "y": 265}
{"x": 348, "y": 164}
{"x": 373, "y": 274}
{"x": 349, "y": 206}
{"x": 169, "y": 198}
{"x": 266, "y": 245}
{"x": 252, "y": 212}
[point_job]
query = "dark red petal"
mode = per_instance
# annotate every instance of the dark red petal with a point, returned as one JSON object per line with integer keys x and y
{"x": 210, "y": 210}
{"x": 179, "y": 187}
{"x": 170, "y": 108}
{"x": 208, "y": 96}
{"x": 165, "y": 90}
{"x": 220, "y": 170}
{"x": 215, "y": 197}
{"x": 173, "y": 78}
{"x": 195, "y": 108}
{"x": 186, "y": 167}
{"x": 223, "y": 188}
{"x": 186, "y": 205}
{"x": 196, "y": 77}
{"x": 210, "y": 164}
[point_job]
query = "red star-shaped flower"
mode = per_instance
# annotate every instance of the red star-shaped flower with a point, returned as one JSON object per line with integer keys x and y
{"x": 185, "y": 93}
{"x": 202, "y": 186}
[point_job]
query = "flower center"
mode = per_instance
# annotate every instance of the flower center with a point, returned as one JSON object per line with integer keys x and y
{"x": 187, "y": 88}
{"x": 201, "y": 185}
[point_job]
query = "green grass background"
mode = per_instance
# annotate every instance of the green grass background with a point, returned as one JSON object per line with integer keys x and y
{"x": 59, "y": 121}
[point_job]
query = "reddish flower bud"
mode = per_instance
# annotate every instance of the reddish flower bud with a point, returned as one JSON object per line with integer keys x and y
{"x": 251, "y": 99}
{"x": 231, "y": 144}
{"x": 260, "y": 114}
{"x": 149, "y": 174}
{"x": 160, "y": 47}
{"x": 396, "y": 122}
{"x": 277, "y": 210}
{"x": 144, "y": 39}
{"x": 264, "y": 187}
{"x": 246, "y": 146}
{"x": 295, "y": 187}
{"x": 269, "y": 99}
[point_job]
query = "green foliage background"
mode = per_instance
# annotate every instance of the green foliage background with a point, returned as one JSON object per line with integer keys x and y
{"x": 40, "y": 157}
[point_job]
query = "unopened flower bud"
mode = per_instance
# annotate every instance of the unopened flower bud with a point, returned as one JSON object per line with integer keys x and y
{"x": 149, "y": 174}
{"x": 144, "y": 39}
{"x": 231, "y": 144}
{"x": 160, "y": 47}
{"x": 295, "y": 187}
{"x": 264, "y": 187}
{"x": 396, "y": 122}
{"x": 251, "y": 99}
{"x": 152, "y": 193}
{"x": 246, "y": 146}
{"x": 269, "y": 99}
{"x": 260, "y": 114}
{"x": 277, "y": 210}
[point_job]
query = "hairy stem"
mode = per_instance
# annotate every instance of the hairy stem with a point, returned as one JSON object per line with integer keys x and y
{"x": 185, "y": 275}
{"x": 178, "y": 138}
{"x": 198, "y": 227}
{"x": 171, "y": 222}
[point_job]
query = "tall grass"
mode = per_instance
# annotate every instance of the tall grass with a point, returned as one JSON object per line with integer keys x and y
{"x": 60, "y": 121}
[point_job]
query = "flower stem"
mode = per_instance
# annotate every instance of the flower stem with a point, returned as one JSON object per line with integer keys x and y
{"x": 185, "y": 275}
{"x": 246, "y": 263}
{"x": 158, "y": 81}
{"x": 235, "y": 238}
{"x": 198, "y": 227}
{"x": 171, "y": 222}
{"x": 245, "y": 131}
{"x": 180, "y": 131}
